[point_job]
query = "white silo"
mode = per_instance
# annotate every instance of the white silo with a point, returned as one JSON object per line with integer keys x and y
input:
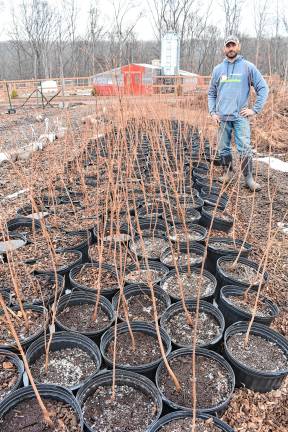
{"x": 170, "y": 53}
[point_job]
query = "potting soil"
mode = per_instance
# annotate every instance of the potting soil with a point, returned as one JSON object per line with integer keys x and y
{"x": 66, "y": 367}
{"x": 260, "y": 354}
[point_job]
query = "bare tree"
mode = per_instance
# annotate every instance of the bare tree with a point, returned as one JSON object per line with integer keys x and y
{"x": 194, "y": 39}
{"x": 232, "y": 10}
{"x": 260, "y": 22}
{"x": 95, "y": 33}
{"x": 170, "y": 15}
{"x": 122, "y": 29}
{"x": 33, "y": 23}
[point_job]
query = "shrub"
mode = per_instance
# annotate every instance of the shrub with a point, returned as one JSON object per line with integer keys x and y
{"x": 14, "y": 93}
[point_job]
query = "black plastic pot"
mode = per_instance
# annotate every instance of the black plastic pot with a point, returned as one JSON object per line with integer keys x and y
{"x": 109, "y": 234}
{"x": 139, "y": 254}
{"x": 213, "y": 200}
{"x": 46, "y": 301}
{"x": 106, "y": 292}
{"x": 89, "y": 230}
{"x": 27, "y": 210}
{"x": 80, "y": 298}
{"x": 199, "y": 173}
{"x": 46, "y": 391}
{"x": 224, "y": 279}
{"x": 63, "y": 271}
{"x": 6, "y": 297}
{"x": 14, "y": 359}
{"x": 191, "y": 216}
{"x": 23, "y": 223}
{"x": 179, "y": 415}
{"x": 147, "y": 369}
{"x": 202, "y": 165}
{"x": 197, "y": 229}
{"x": 26, "y": 342}
{"x": 63, "y": 340}
{"x": 151, "y": 211}
{"x": 122, "y": 377}
{"x": 185, "y": 190}
{"x": 209, "y": 298}
{"x": 82, "y": 246}
{"x": 195, "y": 203}
{"x": 219, "y": 223}
{"x": 70, "y": 196}
{"x": 152, "y": 265}
{"x": 206, "y": 191}
{"x": 204, "y": 306}
{"x": 256, "y": 380}
{"x": 134, "y": 290}
{"x": 214, "y": 254}
{"x": 199, "y": 352}
{"x": 192, "y": 247}
{"x": 205, "y": 182}
{"x": 232, "y": 313}
{"x": 151, "y": 227}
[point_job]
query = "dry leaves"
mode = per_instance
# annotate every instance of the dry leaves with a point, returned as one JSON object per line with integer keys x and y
{"x": 249, "y": 411}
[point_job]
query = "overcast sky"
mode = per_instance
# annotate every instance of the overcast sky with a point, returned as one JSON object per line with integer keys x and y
{"x": 144, "y": 28}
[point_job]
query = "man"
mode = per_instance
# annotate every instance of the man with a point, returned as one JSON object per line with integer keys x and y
{"x": 228, "y": 99}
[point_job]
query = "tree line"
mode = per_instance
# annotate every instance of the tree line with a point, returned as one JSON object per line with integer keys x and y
{"x": 44, "y": 41}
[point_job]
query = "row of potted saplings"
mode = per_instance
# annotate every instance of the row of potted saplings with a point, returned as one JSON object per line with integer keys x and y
{"x": 180, "y": 362}
{"x": 215, "y": 377}
{"x": 183, "y": 308}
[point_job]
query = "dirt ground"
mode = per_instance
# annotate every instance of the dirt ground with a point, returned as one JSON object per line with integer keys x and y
{"x": 248, "y": 411}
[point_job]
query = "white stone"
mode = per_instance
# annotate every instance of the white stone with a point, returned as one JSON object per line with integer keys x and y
{"x": 3, "y": 157}
{"x": 275, "y": 163}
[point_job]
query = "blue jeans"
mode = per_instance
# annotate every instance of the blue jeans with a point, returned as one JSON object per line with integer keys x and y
{"x": 241, "y": 129}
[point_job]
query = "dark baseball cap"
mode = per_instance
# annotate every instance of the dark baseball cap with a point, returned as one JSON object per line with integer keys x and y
{"x": 231, "y": 38}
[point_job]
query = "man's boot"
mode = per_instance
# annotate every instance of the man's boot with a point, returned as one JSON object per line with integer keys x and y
{"x": 247, "y": 169}
{"x": 226, "y": 162}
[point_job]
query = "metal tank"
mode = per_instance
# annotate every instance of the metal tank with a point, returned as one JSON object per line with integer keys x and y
{"x": 170, "y": 54}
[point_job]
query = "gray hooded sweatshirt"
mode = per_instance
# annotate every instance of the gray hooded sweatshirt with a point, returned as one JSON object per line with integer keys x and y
{"x": 230, "y": 88}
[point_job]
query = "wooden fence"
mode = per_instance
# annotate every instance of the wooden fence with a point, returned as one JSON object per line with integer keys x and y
{"x": 82, "y": 88}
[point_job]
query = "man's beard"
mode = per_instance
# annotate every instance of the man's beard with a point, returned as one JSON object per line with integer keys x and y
{"x": 231, "y": 54}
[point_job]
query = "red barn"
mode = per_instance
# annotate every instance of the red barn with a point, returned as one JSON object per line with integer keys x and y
{"x": 138, "y": 79}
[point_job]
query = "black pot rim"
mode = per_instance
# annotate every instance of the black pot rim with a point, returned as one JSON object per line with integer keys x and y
{"x": 13, "y": 357}
{"x": 137, "y": 237}
{"x": 206, "y": 353}
{"x": 35, "y": 336}
{"x": 76, "y": 269}
{"x": 177, "y": 415}
{"x": 131, "y": 290}
{"x": 216, "y": 218}
{"x": 190, "y": 211}
{"x": 64, "y": 268}
{"x": 196, "y": 270}
{"x": 139, "y": 382}
{"x": 72, "y": 337}
{"x": 191, "y": 305}
{"x": 236, "y": 291}
{"x": 238, "y": 242}
{"x": 88, "y": 297}
{"x": 136, "y": 326}
{"x": 46, "y": 391}
{"x": 193, "y": 246}
{"x": 192, "y": 226}
{"x": 142, "y": 265}
{"x": 248, "y": 263}
{"x": 260, "y": 330}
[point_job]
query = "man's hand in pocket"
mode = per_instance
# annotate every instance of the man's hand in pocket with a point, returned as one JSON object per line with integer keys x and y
{"x": 247, "y": 112}
{"x": 216, "y": 119}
